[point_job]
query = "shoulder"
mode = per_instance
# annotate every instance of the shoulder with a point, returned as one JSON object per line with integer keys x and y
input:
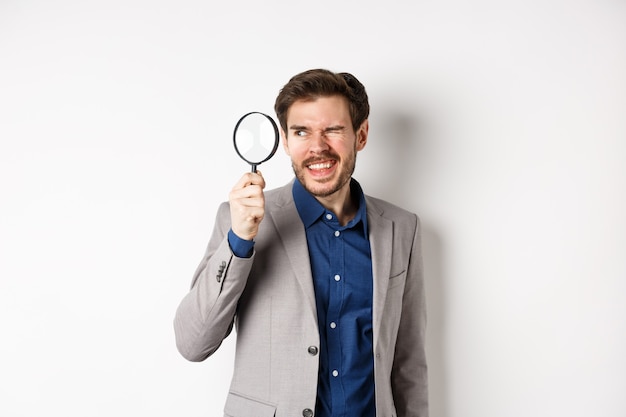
{"x": 280, "y": 196}
{"x": 386, "y": 209}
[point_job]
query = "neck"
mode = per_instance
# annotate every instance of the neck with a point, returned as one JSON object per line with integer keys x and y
{"x": 340, "y": 203}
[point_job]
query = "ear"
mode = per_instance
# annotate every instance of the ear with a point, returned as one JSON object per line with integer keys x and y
{"x": 284, "y": 141}
{"x": 361, "y": 135}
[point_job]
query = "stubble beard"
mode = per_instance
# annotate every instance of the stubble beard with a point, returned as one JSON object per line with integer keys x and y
{"x": 330, "y": 186}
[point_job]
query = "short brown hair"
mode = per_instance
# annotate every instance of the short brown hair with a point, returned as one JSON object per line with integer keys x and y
{"x": 316, "y": 83}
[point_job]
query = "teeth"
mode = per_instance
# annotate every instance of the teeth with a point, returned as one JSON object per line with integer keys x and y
{"x": 324, "y": 165}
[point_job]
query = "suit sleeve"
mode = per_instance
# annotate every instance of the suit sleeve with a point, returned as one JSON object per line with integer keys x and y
{"x": 205, "y": 316}
{"x": 409, "y": 377}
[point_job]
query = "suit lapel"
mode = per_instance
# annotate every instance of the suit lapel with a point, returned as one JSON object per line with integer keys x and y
{"x": 381, "y": 236}
{"x": 286, "y": 219}
{"x": 284, "y": 215}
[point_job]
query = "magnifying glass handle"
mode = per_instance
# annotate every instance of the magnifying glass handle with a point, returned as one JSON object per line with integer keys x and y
{"x": 253, "y": 167}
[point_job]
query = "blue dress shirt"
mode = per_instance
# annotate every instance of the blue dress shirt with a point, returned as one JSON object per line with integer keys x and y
{"x": 341, "y": 266}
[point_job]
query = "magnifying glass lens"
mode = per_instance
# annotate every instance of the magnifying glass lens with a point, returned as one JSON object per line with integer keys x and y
{"x": 255, "y": 138}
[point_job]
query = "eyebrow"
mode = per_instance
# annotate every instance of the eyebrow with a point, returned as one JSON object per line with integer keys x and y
{"x": 328, "y": 129}
{"x": 334, "y": 128}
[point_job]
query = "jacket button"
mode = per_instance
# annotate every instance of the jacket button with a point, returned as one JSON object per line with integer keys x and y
{"x": 313, "y": 350}
{"x": 307, "y": 412}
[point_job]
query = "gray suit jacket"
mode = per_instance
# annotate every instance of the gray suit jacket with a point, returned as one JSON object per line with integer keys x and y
{"x": 271, "y": 301}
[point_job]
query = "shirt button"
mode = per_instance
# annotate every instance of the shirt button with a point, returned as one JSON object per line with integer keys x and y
{"x": 333, "y": 325}
{"x": 307, "y": 412}
{"x": 335, "y": 373}
{"x": 337, "y": 233}
{"x": 329, "y": 216}
{"x": 337, "y": 278}
{"x": 312, "y": 350}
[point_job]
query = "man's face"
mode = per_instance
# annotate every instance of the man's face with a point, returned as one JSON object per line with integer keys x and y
{"x": 322, "y": 144}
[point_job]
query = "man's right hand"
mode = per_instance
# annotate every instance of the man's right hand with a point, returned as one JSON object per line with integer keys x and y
{"x": 247, "y": 205}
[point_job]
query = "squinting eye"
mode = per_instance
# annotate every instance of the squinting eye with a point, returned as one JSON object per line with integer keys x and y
{"x": 300, "y": 133}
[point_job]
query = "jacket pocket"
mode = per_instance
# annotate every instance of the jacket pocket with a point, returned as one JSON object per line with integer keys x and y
{"x": 240, "y": 406}
{"x": 397, "y": 279}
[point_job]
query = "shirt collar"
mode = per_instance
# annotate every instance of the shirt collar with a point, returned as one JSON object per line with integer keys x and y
{"x": 310, "y": 210}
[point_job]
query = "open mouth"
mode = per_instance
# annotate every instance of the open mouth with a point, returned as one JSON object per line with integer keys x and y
{"x": 321, "y": 169}
{"x": 321, "y": 166}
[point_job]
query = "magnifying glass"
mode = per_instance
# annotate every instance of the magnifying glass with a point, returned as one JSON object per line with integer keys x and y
{"x": 255, "y": 138}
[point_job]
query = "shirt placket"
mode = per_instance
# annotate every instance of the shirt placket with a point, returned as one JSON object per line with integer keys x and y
{"x": 333, "y": 316}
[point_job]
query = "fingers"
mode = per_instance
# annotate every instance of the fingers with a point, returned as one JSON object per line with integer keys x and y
{"x": 247, "y": 205}
{"x": 250, "y": 178}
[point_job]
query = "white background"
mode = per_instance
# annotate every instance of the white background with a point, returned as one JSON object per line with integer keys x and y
{"x": 501, "y": 123}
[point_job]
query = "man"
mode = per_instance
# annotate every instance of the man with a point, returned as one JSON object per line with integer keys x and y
{"x": 323, "y": 284}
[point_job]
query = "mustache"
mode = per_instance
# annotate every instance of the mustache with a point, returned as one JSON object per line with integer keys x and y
{"x": 319, "y": 158}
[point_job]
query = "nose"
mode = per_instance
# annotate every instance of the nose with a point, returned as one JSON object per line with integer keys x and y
{"x": 318, "y": 143}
